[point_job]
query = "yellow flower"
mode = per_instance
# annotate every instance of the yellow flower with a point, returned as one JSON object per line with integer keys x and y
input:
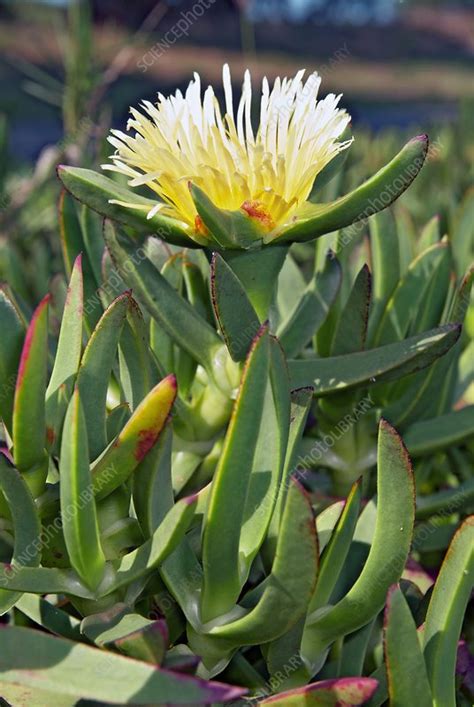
{"x": 266, "y": 174}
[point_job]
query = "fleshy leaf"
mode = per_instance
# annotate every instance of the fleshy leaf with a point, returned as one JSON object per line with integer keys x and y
{"x": 428, "y": 436}
{"x": 35, "y": 660}
{"x": 258, "y": 272}
{"x": 134, "y": 357}
{"x": 152, "y": 489}
{"x": 50, "y": 617}
{"x": 135, "y": 440}
{"x": 337, "y": 373}
{"x": 228, "y": 229}
{"x": 409, "y": 295}
{"x": 300, "y": 402}
{"x": 95, "y": 369}
{"x": 78, "y": 509}
{"x": 222, "y": 523}
{"x": 265, "y": 479}
{"x": 11, "y": 342}
{"x": 335, "y": 553}
{"x": 128, "y": 632}
{"x": 327, "y": 693}
{"x": 26, "y": 527}
{"x": 387, "y": 556}
{"x": 285, "y": 593}
{"x": 155, "y": 550}
{"x": 29, "y": 421}
{"x": 96, "y": 191}
{"x": 385, "y": 255}
{"x": 68, "y": 353}
{"x": 375, "y": 194}
{"x": 72, "y": 244}
{"x": 312, "y": 308}
{"x": 406, "y": 670}
{"x": 176, "y": 316}
{"x": 446, "y": 610}
{"x": 351, "y": 329}
{"x": 148, "y": 643}
{"x": 237, "y": 318}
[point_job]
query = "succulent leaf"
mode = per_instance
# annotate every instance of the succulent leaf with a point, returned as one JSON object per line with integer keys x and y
{"x": 172, "y": 312}
{"x": 406, "y": 670}
{"x": 94, "y": 372}
{"x": 29, "y": 418}
{"x": 97, "y": 192}
{"x": 43, "y": 664}
{"x": 304, "y": 321}
{"x": 26, "y": 526}
{"x": 11, "y": 343}
{"x": 375, "y": 194}
{"x": 445, "y": 614}
{"x": 347, "y": 691}
{"x": 78, "y": 508}
{"x": 339, "y": 373}
{"x": 387, "y": 556}
{"x": 351, "y": 329}
{"x": 237, "y": 318}
{"x": 225, "y": 510}
{"x": 135, "y": 440}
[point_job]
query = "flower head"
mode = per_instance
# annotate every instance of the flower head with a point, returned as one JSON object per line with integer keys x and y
{"x": 266, "y": 174}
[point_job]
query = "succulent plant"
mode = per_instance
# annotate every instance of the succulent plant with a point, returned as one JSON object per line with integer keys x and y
{"x": 170, "y": 533}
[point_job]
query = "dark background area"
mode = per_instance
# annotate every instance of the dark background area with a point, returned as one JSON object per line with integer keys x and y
{"x": 406, "y": 64}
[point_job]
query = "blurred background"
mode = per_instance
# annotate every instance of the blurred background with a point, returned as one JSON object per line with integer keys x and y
{"x": 398, "y": 62}
{"x": 69, "y": 70}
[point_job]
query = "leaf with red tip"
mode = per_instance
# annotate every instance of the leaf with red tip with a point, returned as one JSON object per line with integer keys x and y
{"x": 152, "y": 483}
{"x": 29, "y": 421}
{"x": 11, "y": 342}
{"x": 135, "y": 440}
{"x": 328, "y": 693}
